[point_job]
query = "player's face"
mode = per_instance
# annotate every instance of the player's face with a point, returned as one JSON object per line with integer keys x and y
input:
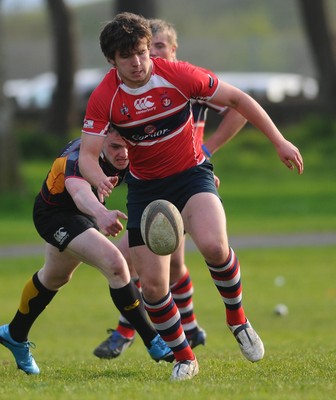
{"x": 115, "y": 150}
{"x": 134, "y": 67}
{"x": 160, "y": 47}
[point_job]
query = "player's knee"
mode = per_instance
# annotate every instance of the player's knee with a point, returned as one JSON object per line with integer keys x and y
{"x": 216, "y": 252}
{"x": 114, "y": 265}
{"x": 152, "y": 292}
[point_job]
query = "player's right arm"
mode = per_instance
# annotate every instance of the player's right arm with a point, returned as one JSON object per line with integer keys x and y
{"x": 85, "y": 200}
{"x": 91, "y": 147}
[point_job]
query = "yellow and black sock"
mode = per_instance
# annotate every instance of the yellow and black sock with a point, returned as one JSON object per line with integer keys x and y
{"x": 34, "y": 299}
{"x": 129, "y": 302}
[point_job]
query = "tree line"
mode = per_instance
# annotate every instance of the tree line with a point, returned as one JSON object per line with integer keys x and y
{"x": 61, "y": 114}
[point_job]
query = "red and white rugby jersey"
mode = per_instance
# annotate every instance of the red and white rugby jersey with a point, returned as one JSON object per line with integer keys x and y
{"x": 155, "y": 119}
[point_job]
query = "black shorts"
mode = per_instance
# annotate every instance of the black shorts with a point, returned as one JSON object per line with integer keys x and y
{"x": 58, "y": 226}
{"x": 177, "y": 189}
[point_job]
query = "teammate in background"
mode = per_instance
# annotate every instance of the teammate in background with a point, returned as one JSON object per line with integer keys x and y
{"x": 164, "y": 44}
{"x": 67, "y": 214}
{"x": 148, "y": 102}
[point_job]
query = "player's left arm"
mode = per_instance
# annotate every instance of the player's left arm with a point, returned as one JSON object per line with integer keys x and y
{"x": 227, "y": 95}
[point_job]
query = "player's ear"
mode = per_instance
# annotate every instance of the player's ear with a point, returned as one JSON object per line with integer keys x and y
{"x": 111, "y": 61}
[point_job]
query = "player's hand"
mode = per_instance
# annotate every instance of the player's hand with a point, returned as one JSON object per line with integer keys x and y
{"x": 109, "y": 223}
{"x": 290, "y": 155}
{"x": 105, "y": 187}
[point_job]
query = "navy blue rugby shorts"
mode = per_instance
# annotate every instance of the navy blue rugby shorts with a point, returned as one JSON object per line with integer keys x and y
{"x": 177, "y": 189}
{"x": 58, "y": 226}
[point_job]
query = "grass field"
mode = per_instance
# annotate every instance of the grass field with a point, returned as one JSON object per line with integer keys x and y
{"x": 261, "y": 197}
{"x": 259, "y": 193}
{"x": 300, "y": 348}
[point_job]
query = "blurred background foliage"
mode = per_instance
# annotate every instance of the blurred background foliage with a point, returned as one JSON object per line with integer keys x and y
{"x": 264, "y": 36}
{"x": 223, "y": 35}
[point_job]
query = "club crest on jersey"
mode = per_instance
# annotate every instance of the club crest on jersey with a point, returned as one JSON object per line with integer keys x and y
{"x": 144, "y": 104}
{"x": 124, "y": 109}
{"x": 166, "y": 101}
{"x": 150, "y": 129}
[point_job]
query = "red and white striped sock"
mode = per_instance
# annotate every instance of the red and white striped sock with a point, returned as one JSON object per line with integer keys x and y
{"x": 166, "y": 320}
{"x": 182, "y": 292}
{"x": 227, "y": 279}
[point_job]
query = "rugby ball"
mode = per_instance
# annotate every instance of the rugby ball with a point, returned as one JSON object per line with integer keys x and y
{"x": 162, "y": 227}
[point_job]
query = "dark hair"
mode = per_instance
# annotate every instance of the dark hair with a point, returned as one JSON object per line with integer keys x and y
{"x": 123, "y": 34}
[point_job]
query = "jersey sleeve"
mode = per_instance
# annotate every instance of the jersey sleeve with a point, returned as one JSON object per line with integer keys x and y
{"x": 97, "y": 116}
{"x": 72, "y": 168}
{"x": 193, "y": 81}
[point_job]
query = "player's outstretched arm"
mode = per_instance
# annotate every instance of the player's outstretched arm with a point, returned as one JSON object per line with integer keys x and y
{"x": 231, "y": 96}
{"x": 90, "y": 149}
{"x": 85, "y": 200}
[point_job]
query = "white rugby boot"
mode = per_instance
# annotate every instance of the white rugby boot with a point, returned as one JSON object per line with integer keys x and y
{"x": 184, "y": 370}
{"x": 249, "y": 342}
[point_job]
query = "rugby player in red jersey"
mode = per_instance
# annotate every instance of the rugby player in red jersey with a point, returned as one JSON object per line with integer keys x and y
{"x": 164, "y": 44}
{"x": 148, "y": 100}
